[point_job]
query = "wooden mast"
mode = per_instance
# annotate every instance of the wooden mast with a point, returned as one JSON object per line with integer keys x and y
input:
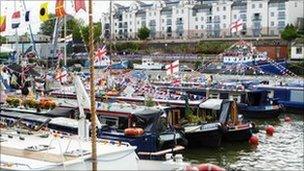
{"x": 92, "y": 89}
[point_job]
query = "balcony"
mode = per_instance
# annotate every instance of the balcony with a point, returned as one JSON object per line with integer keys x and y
{"x": 209, "y": 21}
{"x": 179, "y": 22}
{"x": 209, "y": 13}
{"x": 243, "y": 10}
{"x": 169, "y": 22}
{"x": 281, "y": 17}
{"x": 256, "y": 18}
{"x": 281, "y": 7}
{"x": 216, "y": 21}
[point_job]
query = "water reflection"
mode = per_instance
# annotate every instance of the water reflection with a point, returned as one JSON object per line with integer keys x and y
{"x": 283, "y": 150}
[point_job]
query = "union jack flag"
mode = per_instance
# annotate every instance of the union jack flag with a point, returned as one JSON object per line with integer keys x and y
{"x": 100, "y": 53}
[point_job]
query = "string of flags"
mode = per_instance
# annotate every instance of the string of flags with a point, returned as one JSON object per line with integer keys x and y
{"x": 43, "y": 13}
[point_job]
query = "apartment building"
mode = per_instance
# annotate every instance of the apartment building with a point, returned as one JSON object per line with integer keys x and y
{"x": 201, "y": 18}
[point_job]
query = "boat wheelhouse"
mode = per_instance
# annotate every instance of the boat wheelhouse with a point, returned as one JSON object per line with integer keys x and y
{"x": 149, "y": 64}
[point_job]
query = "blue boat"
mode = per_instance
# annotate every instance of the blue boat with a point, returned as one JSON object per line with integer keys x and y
{"x": 257, "y": 104}
{"x": 291, "y": 97}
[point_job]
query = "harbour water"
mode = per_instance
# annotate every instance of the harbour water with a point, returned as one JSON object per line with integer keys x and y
{"x": 282, "y": 151}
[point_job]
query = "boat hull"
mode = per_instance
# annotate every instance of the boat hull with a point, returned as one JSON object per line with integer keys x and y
{"x": 211, "y": 138}
{"x": 242, "y": 134}
{"x": 261, "y": 112}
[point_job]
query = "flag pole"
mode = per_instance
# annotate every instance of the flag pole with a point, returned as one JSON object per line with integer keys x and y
{"x": 30, "y": 29}
{"x": 92, "y": 89}
{"x": 64, "y": 34}
{"x": 17, "y": 39}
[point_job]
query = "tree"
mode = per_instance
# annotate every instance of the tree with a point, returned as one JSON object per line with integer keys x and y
{"x": 47, "y": 27}
{"x": 84, "y": 33}
{"x": 289, "y": 33}
{"x": 2, "y": 39}
{"x": 143, "y": 33}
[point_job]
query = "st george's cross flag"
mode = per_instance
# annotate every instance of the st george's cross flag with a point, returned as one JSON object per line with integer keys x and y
{"x": 172, "y": 68}
{"x": 16, "y": 19}
{"x": 236, "y": 26}
{"x": 2, "y": 23}
{"x": 79, "y": 4}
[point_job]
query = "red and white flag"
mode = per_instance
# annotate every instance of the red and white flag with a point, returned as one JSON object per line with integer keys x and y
{"x": 16, "y": 19}
{"x": 100, "y": 53}
{"x": 79, "y": 4}
{"x": 236, "y": 26}
{"x": 173, "y": 67}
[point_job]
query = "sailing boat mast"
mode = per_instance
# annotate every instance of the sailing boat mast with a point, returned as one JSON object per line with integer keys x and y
{"x": 110, "y": 40}
{"x": 17, "y": 39}
{"x": 64, "y": 34}
{"x": 92, "y": 89}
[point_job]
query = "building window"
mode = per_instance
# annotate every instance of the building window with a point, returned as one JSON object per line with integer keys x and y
{"x": 202, "y": 18}
{"x": 196, "y": 27}
{"x": 202, "y": 26}
{"x": 272, "y": 23}
{"x": 150, "y": 14}
{"x": 177, "y": 11}
{"x": 260, "y": 5}
{"x": 224, "y": 25}
{"x": 115, "y": 24}
{"x": 234, "y": 16}
{"x": 253, "y": 6}
{"x": 130, "y": 15}
{"x": 163, "y": 28}
{"x": 130, "y": 30}
{"x": 224, "y": 17}
{"x": 154, "y": 13}
{"x": 272, "y": 14}
{"x": 299, "y": 50}
{"x": 163, "y": 20}
{"x": 182, "y": 11}
{"x": 296, "y": 4}
{"x": 217, "y": 8}
{"x": 224, "y": 8}
{"x": 138, "y": 22}
{"x": 130, "y": 22}
{"x": 196, "y": 19}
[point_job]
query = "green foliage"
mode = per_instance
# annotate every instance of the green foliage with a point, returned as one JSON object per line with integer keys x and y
{"x": 214, "y": 47}
{"x": 127, "y": 47}
{"x": 149, "y": 102}
{"x": 143, "y": 33}
{"x": 289, "y": 33}
{"x": 47, "y": 27}
{"x": 2, "y": 39}
{"x": 198, "y": 64}
{"x": 84, "y": 33}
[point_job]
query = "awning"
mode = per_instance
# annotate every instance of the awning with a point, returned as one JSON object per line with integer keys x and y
{"x": 214, "y": 104}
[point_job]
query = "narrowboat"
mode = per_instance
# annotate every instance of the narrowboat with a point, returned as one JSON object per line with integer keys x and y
{"x": 291, "y": 97}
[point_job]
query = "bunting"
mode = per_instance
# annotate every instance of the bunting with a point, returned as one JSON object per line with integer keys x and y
{"x": 44, "y": 12}
{"x": 2, "y": 23}
{"x": 79, "y": 4}
{"x": 59, "y": 9}
{"x": 16, "y": 19}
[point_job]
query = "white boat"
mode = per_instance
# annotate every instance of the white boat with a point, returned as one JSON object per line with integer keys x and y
{"x": 148, "y": 64}
{"x": 46, "y": 151}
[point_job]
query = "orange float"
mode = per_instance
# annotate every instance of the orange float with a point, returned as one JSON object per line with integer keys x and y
{"x": 134, "y": 132}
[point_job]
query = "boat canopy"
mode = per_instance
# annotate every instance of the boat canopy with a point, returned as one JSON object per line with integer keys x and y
{"x": 214, "y": 104}
{"x": 148, "y": 118}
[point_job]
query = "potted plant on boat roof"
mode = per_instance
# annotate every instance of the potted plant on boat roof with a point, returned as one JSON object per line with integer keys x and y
{"x": 191, "y": 118}
{"x": 149, "y": 101}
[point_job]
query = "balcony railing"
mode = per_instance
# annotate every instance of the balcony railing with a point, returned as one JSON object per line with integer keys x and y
{"x": 209, "y": 21}
{"x": 282, "y": 17}
{"x": 216, "y": 21}
{"x": 256, "y": 18}
{"x": 179, "y": 22}
{"x": 281, "y": 8}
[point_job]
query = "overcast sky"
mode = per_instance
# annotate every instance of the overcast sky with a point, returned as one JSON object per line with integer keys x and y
{"x": 7, "y": 9}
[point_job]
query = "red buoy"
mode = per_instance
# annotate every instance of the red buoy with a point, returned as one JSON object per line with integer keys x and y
{"x": 209, "y": 167}
{"x": 270, "y": 130}
{"x": 254, "y": 140}
{"x": 287, "y": 119}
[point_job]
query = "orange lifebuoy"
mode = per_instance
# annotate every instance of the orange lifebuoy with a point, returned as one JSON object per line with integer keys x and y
{"x": 133, "y": 131}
